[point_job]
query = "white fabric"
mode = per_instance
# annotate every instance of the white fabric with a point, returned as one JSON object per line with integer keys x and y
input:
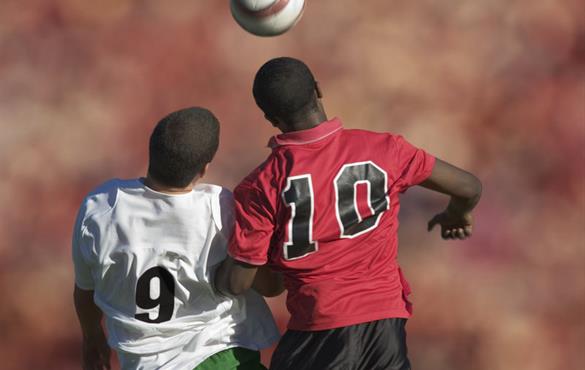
{"x": 124, "y": 229}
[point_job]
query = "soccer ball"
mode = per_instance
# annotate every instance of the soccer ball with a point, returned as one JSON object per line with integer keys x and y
{"x": 267, "y": 17}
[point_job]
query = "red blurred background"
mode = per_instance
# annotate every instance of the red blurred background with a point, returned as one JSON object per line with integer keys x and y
{"x": 497, "y": 87}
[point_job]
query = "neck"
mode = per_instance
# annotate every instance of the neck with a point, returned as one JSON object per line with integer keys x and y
{"x": 312, "y": 120}
{"x": 157, "y": 186}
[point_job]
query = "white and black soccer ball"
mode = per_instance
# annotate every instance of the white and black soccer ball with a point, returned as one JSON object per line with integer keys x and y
{"x": 267, "y": 17}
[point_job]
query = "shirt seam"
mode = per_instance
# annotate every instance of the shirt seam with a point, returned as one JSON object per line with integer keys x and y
{"x": 308, "y": 141}
{"x": 248, "y": 260}
{"x": 349, "y": 320}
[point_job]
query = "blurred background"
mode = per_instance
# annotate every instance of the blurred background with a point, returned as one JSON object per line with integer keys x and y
{"x": 496, "y": 87}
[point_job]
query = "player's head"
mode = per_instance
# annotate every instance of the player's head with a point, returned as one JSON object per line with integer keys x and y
{"x": 286, "y": 91}
{"x": 181, "y": 145}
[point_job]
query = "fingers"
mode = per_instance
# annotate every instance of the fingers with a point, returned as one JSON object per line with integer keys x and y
{"x": 446, "y": 233}
{"x": 451, "y": 228}
{"x": 452, "y": 233}
{"x": 434, "y": 221}
{"x": 464, "y": 232}
{"x": 449, "y": 234}
{"x": 461, "y": 234}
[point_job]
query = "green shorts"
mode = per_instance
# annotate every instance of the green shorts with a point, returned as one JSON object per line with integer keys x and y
{"x": 233, "y": 359}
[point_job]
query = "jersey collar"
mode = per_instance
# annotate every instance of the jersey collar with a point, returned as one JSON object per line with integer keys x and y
{"x": 306, "y": 136}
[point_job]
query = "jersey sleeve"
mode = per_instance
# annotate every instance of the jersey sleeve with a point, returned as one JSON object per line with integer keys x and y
{"x": 223, "y": 213}
{"x": 80, "y": 249}
{"x": 412, "y": 165}
{"x": 254, "y": 225}
{"x": 222, "y": 208}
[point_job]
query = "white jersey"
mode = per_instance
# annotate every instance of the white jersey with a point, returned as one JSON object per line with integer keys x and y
{"x": 150, "y": 258}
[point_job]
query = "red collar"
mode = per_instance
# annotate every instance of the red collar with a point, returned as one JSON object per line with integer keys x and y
{"x": 306, "y": 136}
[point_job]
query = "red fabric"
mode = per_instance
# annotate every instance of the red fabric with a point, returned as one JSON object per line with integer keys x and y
{"x": 346, "y": 281}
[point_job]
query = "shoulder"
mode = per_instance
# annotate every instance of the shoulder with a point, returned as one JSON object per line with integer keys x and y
{"x": 215, "y": 193}
{"x": 104, "y": 197}
{"x": 221, "y": 201}
{"x": 367, "y": 134}
{"x": 263, "y": 177}
{"x": 212, "y": 190}
{"x": 260, "y": 188}
{"x": 387, "y": 140}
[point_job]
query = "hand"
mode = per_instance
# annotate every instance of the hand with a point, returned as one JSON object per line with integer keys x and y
{"x": 453, "y": 225}
{"x": 96, "y": 352}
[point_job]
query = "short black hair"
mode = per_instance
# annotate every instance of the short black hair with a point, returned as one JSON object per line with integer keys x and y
{"x": 181, "y": 144}
{"x": 285, "y": 88}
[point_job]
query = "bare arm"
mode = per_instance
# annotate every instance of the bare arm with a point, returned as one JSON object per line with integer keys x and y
{"x": 95, "y": 350}
{"x": 465, "y": 190}
{"x": 267, "y": 282}
{"x": 234, "y": 277}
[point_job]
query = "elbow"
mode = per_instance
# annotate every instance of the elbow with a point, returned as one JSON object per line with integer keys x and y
{"x": 472, "y": 188}
{"x": 477, "y": 187}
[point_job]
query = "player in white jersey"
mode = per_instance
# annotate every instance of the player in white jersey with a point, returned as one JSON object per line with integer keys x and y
{"x": 145, "y": 252}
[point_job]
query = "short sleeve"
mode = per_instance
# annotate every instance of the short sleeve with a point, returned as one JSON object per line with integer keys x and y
{"x": 253, "y": 228}
{"x": 223, "y": 213}
{"x": 83, "y": 276}
{"x": 223, "y": 216}
{"x": 412, "y": 165}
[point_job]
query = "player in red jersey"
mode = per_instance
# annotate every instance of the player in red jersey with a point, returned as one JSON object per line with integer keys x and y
{"x": 322, "y": 212}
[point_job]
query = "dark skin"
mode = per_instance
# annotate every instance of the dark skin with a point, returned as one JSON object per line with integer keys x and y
{"x": 456, "y": 222}
{"x": 309, "y": 119}
{"x": 95, "y": 350}
{"x": 244, "y": 276}
{"x": 465, "y": 190}
{"x": 235, "y": 277}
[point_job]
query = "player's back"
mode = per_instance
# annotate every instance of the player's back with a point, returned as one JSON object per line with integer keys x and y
{"x": 334, "y": 196}
{"x": 151, "y": 257}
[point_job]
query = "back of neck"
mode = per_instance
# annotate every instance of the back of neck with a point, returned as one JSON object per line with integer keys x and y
{"x": 161, "y": 188}
{"x": 311, "y": 121}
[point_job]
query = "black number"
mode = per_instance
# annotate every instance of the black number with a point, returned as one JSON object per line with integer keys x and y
{"x": 349, "y": 176}
{"x": 165, "y": 300}
{"x": 298, "y": 195}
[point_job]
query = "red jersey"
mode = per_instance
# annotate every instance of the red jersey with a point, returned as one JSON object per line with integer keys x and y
{"x": 323, "y": 210}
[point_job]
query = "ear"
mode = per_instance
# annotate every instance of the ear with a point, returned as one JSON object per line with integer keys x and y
{"x": 273, "y": 121}
{"x": 204, "y": 170}
{"x": 318, "y": 90}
